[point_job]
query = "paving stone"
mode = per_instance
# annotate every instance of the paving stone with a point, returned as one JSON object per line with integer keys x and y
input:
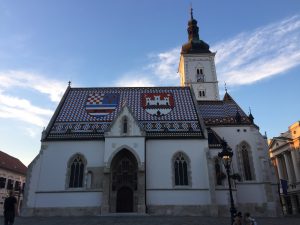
{"x": 145, "y": 220}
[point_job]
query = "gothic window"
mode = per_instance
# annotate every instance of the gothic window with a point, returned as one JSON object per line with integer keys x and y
{"x": 246, "y": 161}
{"x": 181, "y": 169}
{"x": 76, "y": 167}
{"x": 125, "y": 126}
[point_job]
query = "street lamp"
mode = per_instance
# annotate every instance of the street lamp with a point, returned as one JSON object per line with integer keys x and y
{"x": 226, "y": 156}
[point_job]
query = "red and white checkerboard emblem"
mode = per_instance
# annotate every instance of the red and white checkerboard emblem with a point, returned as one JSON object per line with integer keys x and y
{"x": 99, "y": 104}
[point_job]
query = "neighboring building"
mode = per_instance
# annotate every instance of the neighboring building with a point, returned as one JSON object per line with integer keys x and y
{"x": 151, "y": 149}
{"x": 12, "y": 177}
{"x": 285, "y": 155}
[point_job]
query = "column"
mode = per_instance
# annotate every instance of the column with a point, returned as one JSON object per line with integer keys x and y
{"x": 279, "y": 168}
{"x": 288, "y": 168}
{"x": 141, "y": 207}
{"x": 284, "y": 205}
{"x": 294, "y": 154}
{"x": 105, "y": 194}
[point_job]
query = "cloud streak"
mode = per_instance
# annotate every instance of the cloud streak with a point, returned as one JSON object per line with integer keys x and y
{"x": 259, "y": 54}
{"x": 243, "y": 59}
{"x": 53, "y": 88}
{"x": 22, "y": 109}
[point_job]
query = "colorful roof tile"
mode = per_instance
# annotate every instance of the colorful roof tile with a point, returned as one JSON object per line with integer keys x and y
{"x": 160, "y": 111}
{"x": 222, "y": 112}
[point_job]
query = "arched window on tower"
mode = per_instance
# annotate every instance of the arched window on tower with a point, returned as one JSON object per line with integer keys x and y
{"x": 200, "y": 75}
{"x": 125, "y": 125}
{"x": 181, "y": 169}
{"x": 76, "y": 171}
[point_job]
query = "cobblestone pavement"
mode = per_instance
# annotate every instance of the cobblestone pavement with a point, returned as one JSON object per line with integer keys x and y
{"x": 145, "y": 220}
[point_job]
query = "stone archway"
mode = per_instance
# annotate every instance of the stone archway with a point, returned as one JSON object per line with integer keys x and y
{"x": 124, "y": 185}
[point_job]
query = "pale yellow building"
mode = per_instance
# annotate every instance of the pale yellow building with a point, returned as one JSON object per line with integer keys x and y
{"x": 285, "y": 155}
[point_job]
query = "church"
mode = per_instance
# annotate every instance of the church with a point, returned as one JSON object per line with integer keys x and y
{"x": 152, "y": 150}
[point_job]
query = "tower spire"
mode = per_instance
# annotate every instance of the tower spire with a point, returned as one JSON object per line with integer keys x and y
{"x": 194, "y": 44}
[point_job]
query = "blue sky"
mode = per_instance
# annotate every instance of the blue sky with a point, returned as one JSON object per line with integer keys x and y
{"x": 44, "y": 44}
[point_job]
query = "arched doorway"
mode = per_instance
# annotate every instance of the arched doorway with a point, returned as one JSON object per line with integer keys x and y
{"x": 124, "y": 182}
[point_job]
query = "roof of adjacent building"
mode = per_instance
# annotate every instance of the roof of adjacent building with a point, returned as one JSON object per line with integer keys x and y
{"x": 223, "y": 112}
{"x": 86, "y": 113}
{"x": 12, "y": 164}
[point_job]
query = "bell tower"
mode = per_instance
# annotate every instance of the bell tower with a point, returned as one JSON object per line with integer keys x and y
{"x": 197, "y": 65}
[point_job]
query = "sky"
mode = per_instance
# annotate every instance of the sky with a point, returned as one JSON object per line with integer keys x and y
{"x": 45, "y": 44}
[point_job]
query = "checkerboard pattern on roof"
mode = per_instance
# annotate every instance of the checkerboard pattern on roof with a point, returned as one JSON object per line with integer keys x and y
{"x": 73, "y": 117}
{"x": 74, "y": 107}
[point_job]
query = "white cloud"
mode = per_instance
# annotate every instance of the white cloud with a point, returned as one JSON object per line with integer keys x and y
{"x": 53, "y": 88}
{"x": 23, "y": 110}
{"x": 134, "y": 80}
{"x": 165, "y": 64}
{"x": 262, "y": 53}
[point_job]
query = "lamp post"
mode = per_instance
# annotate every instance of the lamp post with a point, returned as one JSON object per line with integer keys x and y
{"x": 226, "y": 157}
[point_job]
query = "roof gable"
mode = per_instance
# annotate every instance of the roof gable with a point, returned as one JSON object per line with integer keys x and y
{"x": 132, "y": 126}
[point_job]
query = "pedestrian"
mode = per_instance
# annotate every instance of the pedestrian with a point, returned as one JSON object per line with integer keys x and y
{"x": 10, "y": 209}
{"x": 238, "y": 219}
{"x": 248, "y": 220}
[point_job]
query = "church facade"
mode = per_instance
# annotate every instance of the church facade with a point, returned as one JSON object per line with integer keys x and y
{"x": 151, "y": 149}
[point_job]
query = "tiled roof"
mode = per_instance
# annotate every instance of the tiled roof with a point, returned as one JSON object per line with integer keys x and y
{"x": 222, "y": 112}
{"x": 13, "y": 164}
{"x": 160, "y": 111}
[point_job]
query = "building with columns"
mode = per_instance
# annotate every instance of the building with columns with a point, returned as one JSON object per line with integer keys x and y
{"x": 152, "y": 149}
{"x": 285, "y": 155}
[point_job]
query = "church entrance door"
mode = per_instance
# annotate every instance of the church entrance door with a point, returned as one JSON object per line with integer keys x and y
{"x": 124, "y": 182}
{"x": 125, "y": 200}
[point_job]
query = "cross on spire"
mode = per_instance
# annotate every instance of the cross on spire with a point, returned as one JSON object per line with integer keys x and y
{"x": 191, "y": 12}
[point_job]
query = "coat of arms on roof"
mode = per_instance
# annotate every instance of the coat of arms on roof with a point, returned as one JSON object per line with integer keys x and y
{"x": 158, "y": 104}
{"x": 99, "y": 104}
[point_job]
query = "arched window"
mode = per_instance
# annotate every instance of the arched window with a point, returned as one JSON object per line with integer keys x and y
{"x": 76, "y": 167}
{"x": 181, "y": 169}
{"x": 246, "y": 163}
{"x": 125, "y": 126}
{"x": 245, "y": 160}
{"x": 199, "y": 75}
